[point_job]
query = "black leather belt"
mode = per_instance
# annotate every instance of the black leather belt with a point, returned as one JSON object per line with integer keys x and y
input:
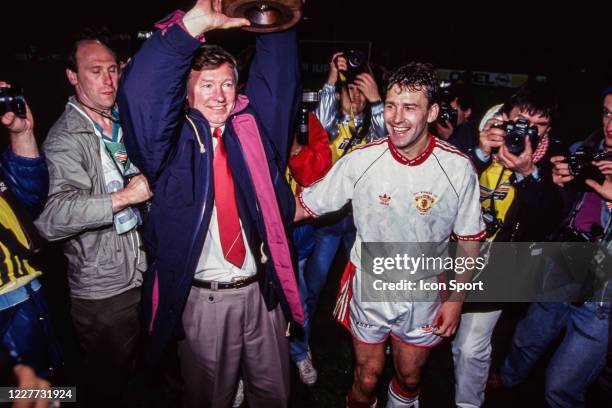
{"x": 225, "y": 285}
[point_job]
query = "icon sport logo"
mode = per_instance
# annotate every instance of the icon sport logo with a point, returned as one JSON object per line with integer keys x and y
{"x": 424, "y": 201}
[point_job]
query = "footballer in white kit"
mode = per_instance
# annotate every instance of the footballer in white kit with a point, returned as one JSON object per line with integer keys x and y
{"x": 394, "y": 199}
{"x": 408, "y": 187}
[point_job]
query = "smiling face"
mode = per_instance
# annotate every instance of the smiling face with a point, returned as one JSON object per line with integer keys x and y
{"x": 213, "y": 93}
{"x": 407, "y": 114}
{"x": 95, "y": 81}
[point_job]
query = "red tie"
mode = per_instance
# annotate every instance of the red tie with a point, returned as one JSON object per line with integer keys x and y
{"x": 225, "y": 203}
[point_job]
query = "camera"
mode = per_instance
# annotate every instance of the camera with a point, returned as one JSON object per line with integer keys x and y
{"x": 492, "y": 223}
{"x": 12, "y": 102}
{"x": 356, "y": 62}
{"x": 447, "y": 112}
{"x": 516, "y": 131}
{"x": 309, "y": 103}
{"x": 581, "y": 166}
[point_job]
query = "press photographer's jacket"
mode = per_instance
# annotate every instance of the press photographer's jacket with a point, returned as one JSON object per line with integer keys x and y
{"x": 162, "y": 142}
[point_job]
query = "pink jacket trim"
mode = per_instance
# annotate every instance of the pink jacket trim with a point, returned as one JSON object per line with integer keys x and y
{"x": 174, "y": 18}
{"x": 250, "y": 140}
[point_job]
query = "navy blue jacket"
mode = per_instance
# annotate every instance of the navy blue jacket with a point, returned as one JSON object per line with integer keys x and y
{"x": 27, "y": 179}
{"x": 161, "y": 142}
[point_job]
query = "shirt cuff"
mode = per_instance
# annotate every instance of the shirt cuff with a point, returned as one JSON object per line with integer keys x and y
{"x": 175, "y": 18}
{"x": 535, "y": 174}
{"x": 377, "y": 108}
{"x": 328, "y": 88}
{"x": 23, "y": 161}
{"x": 481, "y": 155}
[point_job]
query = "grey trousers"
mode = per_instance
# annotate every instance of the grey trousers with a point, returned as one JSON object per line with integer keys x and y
{"x": 230, "y": 333}
{"x": 108, "y": 331}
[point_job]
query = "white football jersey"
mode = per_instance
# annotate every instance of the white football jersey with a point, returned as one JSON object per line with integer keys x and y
{"x": 426, "y": 199}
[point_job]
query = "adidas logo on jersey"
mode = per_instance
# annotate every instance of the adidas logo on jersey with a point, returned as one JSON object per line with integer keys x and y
{"x": 384, "y": 199}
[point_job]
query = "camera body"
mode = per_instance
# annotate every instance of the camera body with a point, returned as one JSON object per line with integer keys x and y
{"x": 357, "y": 63}
{"x": 447, "y": 113}
{"x": 516, "y": 131}
{"x": 492, "y": 223}
{"x": 581, "y": 166}
{"x": 12, "y": 102}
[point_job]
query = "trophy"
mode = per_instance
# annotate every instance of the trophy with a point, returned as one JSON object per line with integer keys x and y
{"x": 265, "y": 15}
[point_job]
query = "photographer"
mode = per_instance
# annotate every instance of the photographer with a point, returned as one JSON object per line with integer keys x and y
{"x": 350, "y": 108}
{"x": 91, "y": 211}
{"x": 25, "y": 329}
{"x": 586, "y": 324}
{"x": 455, "y": 123}
{"x": 519, "y": 204}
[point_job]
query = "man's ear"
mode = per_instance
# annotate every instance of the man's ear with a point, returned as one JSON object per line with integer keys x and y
{"x": 432, "y": 112}
{"x": 72, "y": 77}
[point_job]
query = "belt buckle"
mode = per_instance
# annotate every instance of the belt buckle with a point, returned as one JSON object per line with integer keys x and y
{"x": 240, "y": 282}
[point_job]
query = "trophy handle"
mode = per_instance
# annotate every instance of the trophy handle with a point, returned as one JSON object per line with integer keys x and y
{"x": 265, "y": 15}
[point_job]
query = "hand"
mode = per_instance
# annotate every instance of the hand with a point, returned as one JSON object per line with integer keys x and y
{"x": 367, "y": 85}
{"x": 137, "y": 191}
{"x": 491, "y": 137}
{"x": 521, "y": 164}
{"x": 27, "y": 379}
{"x": 561, "y": 172}
{"x": 21, "y": 132}
{"x": 296, "y": 148}
{"x": 604, "y": 189}
{"x": 604, "y": 166}
{"x": 206, "y": 16}
{"x": 15, "y": 124}
{"x": 338, "y": 62}
{"x": 300, "y": 212}
{"x": 447, "y": 319}
{"x": 444, "y": 131}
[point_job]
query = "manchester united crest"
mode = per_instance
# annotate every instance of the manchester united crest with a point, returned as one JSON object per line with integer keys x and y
{"x": 424, "y": 201}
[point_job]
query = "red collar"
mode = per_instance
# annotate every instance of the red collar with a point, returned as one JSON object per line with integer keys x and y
{"x": 417, "y": 160}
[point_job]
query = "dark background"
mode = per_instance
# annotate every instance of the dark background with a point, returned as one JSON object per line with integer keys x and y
{"x": 569, "y": 44}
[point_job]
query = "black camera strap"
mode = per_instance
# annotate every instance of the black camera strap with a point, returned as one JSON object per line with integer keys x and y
{"x": 492, "y": 197}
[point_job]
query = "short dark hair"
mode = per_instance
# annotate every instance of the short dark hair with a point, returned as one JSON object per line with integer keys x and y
{"x": 99, "y": 35}
{"x": 213, "y": 56}
{"x": 464, "y": 95}
{"x": 535, "y": 98}
{"x": 414, "y": 77}
{"x": 606, "y": 92}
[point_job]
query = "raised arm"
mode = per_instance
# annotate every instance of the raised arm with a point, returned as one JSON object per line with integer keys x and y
{"x": 22, "y": 168}
{"x": 152, "y": 91}
{"x": 274, "y": 87}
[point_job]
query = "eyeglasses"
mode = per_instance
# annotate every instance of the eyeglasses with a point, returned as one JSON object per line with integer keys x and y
{"x": 607, "y": 115}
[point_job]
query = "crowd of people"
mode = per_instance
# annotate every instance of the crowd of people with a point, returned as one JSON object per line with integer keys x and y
{"x": 200, "y": 228}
